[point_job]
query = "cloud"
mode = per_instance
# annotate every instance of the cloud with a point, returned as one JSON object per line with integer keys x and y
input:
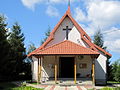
{"x": 104, "y": 14}
{"x": 31, "y": 3}
{"x": 112, "y": 39}
{"x": 52, "y": 11}
{"x": 79, "y": 15}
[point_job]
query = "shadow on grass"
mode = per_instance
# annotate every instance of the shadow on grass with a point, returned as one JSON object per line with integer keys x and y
{"x": 7, "y": 86}
{"x": 11, "y": 86}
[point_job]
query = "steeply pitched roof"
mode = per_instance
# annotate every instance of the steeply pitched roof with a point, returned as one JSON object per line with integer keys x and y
{"x": 84, "y": 36}
{"x": 66, "y": 48}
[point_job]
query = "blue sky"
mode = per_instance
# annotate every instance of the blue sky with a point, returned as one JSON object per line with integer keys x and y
{"x": 35, "y": 16}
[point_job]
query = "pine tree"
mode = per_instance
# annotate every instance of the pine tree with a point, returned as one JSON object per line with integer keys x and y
{"x": 98, "y": 40}
{"x": 31, "y": 48}
{"x": 4, "y": 46}
{"x": 17, "y": 53}
{"x": 47, "y": 34}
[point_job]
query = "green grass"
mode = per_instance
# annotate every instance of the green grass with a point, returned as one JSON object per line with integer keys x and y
{"x": 108, "y": 88}
{"x": 10, "y": 86}
{"x": 25, "y": 88}
{"x": 113, "y": 82}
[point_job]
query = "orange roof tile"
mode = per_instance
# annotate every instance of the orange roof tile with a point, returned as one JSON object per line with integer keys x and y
{"x": 66, "y": 48}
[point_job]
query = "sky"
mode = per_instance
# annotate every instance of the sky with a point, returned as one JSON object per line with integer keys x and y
{"x": 36, "y": 16}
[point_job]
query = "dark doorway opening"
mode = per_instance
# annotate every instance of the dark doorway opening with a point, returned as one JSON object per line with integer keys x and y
{"x": 66, "y": 67}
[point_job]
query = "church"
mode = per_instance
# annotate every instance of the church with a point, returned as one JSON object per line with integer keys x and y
{"x": 68, "y": 53}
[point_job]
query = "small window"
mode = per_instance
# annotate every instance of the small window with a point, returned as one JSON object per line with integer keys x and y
{"x": 82, "y": 65}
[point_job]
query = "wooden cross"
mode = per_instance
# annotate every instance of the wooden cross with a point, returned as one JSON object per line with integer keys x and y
{"x": 67, "y": 29}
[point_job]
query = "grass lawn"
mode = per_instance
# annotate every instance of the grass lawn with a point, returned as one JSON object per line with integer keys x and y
{"x": 108, "y": 88}
{"x": 10, "y": 86}
{"x": 113, "y": 82}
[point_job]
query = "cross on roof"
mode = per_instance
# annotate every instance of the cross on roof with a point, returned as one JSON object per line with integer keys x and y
{"x": 67, "y": 29}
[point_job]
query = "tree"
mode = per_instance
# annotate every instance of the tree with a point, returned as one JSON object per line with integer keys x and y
{"x": 98, "y": 40}
{"x": 4, "y": 46}
{"x": 47, "y": 34}
{"x": 31, "y": 48}
{"x": 117, "y": 74}
{"x": 17, "y": 53}
{"x": 116, "y": 70}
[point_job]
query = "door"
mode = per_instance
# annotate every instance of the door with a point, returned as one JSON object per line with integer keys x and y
{"x": 66, "y": 69}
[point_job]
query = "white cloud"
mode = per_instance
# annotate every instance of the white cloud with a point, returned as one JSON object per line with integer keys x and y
{"x": 52, "y": 11}
{"x": 79, "y": 15}
{"x": 104, "y": 14}
{"x": 31, "y": 3}
{"x": 112, "y": 39}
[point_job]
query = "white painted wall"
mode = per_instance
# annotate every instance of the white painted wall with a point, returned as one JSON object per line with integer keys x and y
{"x": 100, "y": 67}
{"x": 60, "y": 34}
{"x": 48, "y": 67}
{"x": 34, "y": 69}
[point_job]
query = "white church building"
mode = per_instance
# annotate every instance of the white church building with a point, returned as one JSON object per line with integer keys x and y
{"x": 69, "y": 53}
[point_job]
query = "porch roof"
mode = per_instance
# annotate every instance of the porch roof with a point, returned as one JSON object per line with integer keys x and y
{"x": 66, "y": 48}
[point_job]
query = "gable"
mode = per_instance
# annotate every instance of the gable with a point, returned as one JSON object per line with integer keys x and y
{"x": 76, "y": 35}
{"x": 73, "y": 35}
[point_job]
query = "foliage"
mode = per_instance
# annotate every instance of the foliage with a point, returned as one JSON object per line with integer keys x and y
{"x": 31, "y": 48}
{"x": 4, "y": 46}
{"x": 98, "y": 40}
{"x": 116, "y": 70}
{"x": 17, "y": 50}
{"x": 47, "y": 34}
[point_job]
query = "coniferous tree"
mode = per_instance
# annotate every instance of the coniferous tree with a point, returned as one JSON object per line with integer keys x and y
{"x": 4, "y": 46}
{"x": 98, "y": 40}
{"x": 16, "y": 40}
{"x": 31, "y": 48}
{"x": 47, "y": 34}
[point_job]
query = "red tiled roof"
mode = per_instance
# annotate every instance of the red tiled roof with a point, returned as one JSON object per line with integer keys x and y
{"x": 66, "y": 48}
{"x": 82, "y": 32}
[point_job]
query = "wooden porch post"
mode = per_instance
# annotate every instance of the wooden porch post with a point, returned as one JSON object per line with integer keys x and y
{"x": 41, "y": 59}
{"x": 56, "y": 69}
{"x": 75, "y": 71}
{"x": 39, "y": 69}
{"x": 93, "y": 71}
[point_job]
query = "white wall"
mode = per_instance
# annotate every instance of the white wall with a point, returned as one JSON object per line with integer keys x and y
{"x": 100, "y": 67}
{"x": 60, "y": 34}
{"x": 34, "y": 69}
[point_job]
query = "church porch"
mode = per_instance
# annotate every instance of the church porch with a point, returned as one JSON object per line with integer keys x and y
{"x": 65, "y": 69}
